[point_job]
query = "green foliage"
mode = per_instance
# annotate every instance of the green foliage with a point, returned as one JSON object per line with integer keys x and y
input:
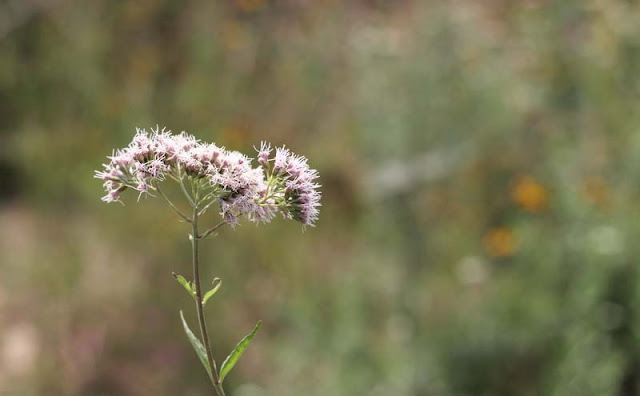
{"x": 197, "y": 346}
{"x": 217, "y": 282}
{"x": 188, "y": 286}
{"x": 237, "y": 352}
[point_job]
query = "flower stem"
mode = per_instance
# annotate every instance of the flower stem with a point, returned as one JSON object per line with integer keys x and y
{"x": 184, "y": 189}
{"x": 199, "y": 306}
{"x": 168, "y": 201}
{"x": 212, "y": 229}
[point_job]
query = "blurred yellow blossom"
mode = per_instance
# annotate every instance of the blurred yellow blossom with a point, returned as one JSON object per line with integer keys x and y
{"x": 500, "y": 242}
{"x": 529, "y": 194}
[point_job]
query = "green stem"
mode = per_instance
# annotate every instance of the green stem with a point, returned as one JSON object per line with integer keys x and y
{"x": 204, "y": 209}
{"x": 199, "y": 306}
{"x": 184, "y": 189}
{"x": 212, "y": 229}
{"x": 168, "y": 201}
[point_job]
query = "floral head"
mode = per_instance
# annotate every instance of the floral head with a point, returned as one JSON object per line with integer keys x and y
{"x": 284, "y": 184}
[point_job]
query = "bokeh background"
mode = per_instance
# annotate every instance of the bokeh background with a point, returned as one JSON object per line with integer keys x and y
{"x": 480, "y": 163}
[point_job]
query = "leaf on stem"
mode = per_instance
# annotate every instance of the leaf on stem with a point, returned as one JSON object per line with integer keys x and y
{"x": 217, "y": 282}
{"x": 233, "y": 357}
{"x": 197, "y": 346}
{"x": 185, "y": 283}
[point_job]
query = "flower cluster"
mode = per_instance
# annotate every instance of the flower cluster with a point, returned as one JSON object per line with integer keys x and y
{"x": 291, "y": 184}
{"x": 284, "y": 184}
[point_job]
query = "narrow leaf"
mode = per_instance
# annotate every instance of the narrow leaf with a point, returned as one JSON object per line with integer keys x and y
{"x": 197, "y": 346}
{"x": 185, "y": 283}
{"x": 233, "y": 357}
{"x": 217, "y": 282}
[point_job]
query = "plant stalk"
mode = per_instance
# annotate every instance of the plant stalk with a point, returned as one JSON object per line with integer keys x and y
{"x": 199, "y": 306}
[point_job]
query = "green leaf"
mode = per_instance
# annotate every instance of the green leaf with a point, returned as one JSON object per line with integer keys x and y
{"x": 185, "y": 283}
{"x": 233, "y": 357}
{"x": 217, "y": 282}
{"x": 197, "y": 346}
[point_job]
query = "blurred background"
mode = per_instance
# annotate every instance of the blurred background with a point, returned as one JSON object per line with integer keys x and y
{"x": 480, "y": 163}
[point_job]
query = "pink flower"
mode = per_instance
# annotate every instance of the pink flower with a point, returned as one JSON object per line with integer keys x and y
{"x": 294, "y": 189}
{"x": 240, "y": 189}
{"x": 281, "y": 159}
{"x": 264, "y": 153}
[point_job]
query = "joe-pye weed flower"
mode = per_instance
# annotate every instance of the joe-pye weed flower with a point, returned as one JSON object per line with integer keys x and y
{"x": 209, "y": 175}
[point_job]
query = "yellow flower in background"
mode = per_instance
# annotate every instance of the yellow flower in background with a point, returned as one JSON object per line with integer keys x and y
{"x": 529, "y": 194}
{"x": 500, "y": 242}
